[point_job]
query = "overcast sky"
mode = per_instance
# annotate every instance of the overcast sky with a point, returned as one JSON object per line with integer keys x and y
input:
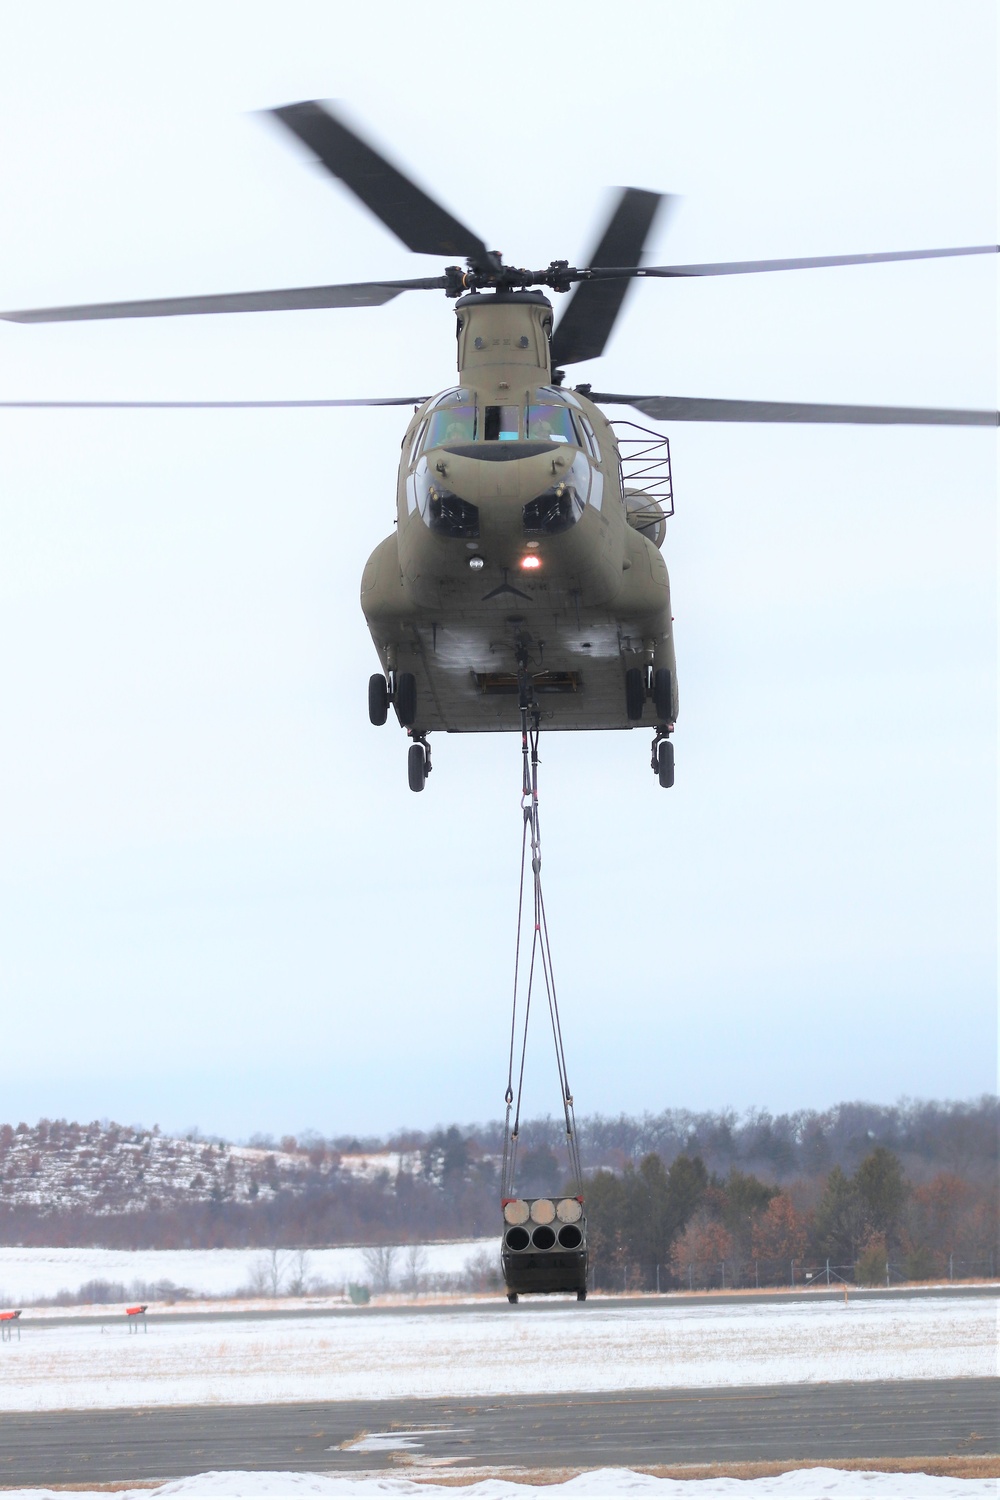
{"x": 220, "y": 904}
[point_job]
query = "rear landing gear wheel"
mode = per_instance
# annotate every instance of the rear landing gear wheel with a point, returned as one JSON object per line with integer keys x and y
{"x": 663, "y": 694}
{"x": 511, "y": 1296}
{"x": 665, "y": 763}
{"x": 635, "y": 692}
{"x": 416, "y": 767}
{"x": 404, "y": 698}
{"x": 581, "y": 1296}
{"x": 378, "y": 699}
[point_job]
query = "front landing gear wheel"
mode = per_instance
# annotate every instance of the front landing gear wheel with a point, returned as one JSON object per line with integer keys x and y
{"x": 416, "y": 767}
{"x": 635, "y": 692}
{"x": 581, "y": 1296}
{"x": 378, "y": 699}
{"x": 511, "y": 1296}
{"x": 665, "y": 763}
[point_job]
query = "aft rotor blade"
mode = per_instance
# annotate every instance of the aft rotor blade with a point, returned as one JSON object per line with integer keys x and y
{"x": 415, "y": 218}
{"x": 807, "y": 263}
{"x": 355, "y": 294}
{"x": 593, "y": 306}
{"x": 707, "y": 409}
{"x": 212, "y": 405}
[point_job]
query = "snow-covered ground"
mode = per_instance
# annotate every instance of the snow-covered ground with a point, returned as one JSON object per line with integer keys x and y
{"x": 28, "y": 1274}
{"x": 802, "y": 1484}
{"x": 374, "y": 1355}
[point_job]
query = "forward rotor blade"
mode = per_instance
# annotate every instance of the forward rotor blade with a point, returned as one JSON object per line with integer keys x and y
{"x": 808, "y": 263}
{"x": 593, "y": 306}
{"x": 415, "y": 218}
{"x": 213, "y": 405}
{"x": 704, "y": 409}
{"x": 356, "y": 294}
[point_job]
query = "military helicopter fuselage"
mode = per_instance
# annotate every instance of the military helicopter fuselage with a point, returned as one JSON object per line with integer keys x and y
{"x": 514, "y": 547}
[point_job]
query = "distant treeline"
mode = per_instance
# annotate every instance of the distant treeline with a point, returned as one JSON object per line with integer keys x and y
{"x": 675, "y": 1198}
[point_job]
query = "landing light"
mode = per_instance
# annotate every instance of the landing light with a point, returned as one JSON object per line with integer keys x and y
{"x": 475, "y": 563}
{"x": 531, "y": 561}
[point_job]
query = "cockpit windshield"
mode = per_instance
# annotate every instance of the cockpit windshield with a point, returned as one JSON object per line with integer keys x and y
{"x": 455, "y": 418}
{"x": 552, "y": 422}
{"x": 451, "y": 424}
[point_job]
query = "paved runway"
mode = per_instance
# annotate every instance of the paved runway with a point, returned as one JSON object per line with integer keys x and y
{"x": 499, "y": 1306}
{"x": 854, "y": 1419}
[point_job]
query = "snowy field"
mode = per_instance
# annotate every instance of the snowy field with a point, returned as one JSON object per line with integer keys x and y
{"x": 29, "y": 1274}
{"x": 802, "y": 1484}
{"x": 373, "y": 1355}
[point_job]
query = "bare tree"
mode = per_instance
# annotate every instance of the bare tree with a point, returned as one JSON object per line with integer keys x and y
{"x": 379, "y": 1262}
{"x": 414, "y": 1268}
{"x": 298, "y": 1278}
{"x": 267, "y": 1273}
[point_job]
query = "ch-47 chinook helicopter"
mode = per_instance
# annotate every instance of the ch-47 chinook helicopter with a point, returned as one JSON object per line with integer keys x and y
{"x": 525, "y": 569}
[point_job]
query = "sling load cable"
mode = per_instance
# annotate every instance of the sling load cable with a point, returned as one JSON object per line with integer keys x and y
{"x": 541, "y": 952}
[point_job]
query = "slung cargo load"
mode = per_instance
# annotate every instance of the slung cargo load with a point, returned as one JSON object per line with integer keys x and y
{"x": 544, "y": 1246}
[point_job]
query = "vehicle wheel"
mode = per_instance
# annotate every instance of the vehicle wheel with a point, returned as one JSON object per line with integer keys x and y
{"x": 663, "y": 695}
{"x": 665, "y": 763}
{"x": 581, "y": 1296}
{"x": 405, "y": 698}
{"x": 511, "y": 1296}
{"x": 635, "y": 692}
{"x": 416, "y": 768}
{"x": 378, "y": 699}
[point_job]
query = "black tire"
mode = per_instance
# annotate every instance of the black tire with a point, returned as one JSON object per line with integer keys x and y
{"x": 581, "y": 1296}
{"x": 511, "y": 1296}
{"x": 416, "y": 768}
{"x": 405, "y": 699}
{"x": 635, "y": 692}
{"x": 663, "y": 695}
{"x": 665, "y": 763}
{"x": 378, "y": 699}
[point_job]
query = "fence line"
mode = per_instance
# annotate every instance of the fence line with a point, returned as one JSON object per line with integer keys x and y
{"x": 731, "y": 1274}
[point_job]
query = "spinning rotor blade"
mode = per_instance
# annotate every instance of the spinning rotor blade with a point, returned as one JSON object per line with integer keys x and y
{"x": 214, "y": 405}
{"x": 421, "y": 224}
{"x": 744, "y": 267}
{"x": 593, "y": 306}
{"x": 356, "y": 294}
{"x": 699, "y": 409}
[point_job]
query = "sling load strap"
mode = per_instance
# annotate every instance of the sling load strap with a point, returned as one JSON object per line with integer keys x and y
{"x": 539, "y": 959}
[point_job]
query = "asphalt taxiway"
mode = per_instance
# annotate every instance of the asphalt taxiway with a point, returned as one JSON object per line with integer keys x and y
{"x": 852, "y": 1419}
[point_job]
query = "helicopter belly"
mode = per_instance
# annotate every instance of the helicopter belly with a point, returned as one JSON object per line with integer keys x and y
{"x": 461, "y": 641}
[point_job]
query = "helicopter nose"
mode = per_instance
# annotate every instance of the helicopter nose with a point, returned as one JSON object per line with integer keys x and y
{"x": 499, "y": 472}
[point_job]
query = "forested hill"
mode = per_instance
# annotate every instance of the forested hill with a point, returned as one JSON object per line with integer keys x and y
{"x": 100, "y": 1183}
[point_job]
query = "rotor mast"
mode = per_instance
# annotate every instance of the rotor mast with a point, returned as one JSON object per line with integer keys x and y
{"x": 503, "y": 340}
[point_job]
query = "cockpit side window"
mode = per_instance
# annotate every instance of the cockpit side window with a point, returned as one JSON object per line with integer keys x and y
{"x": 591, "y": 439}
{"x": 418, "y": 440}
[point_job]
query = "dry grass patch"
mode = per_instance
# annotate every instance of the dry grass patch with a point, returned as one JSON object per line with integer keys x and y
{"x": 952, "y": 1466}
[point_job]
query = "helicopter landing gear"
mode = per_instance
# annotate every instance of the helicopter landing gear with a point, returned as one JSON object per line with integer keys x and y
{"x": 404, "y": 697}
{"x": 635, "y": 692}
{"x": 663, "y": 756}
{"x": 663, "y": 694}
{"x": 418, "y": 763}
{"x": 400, "y": 691}
{"x": 378, "y": 699}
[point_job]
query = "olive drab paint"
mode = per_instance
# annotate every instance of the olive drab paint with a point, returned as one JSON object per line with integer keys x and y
{"x": 594, "y": 599}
